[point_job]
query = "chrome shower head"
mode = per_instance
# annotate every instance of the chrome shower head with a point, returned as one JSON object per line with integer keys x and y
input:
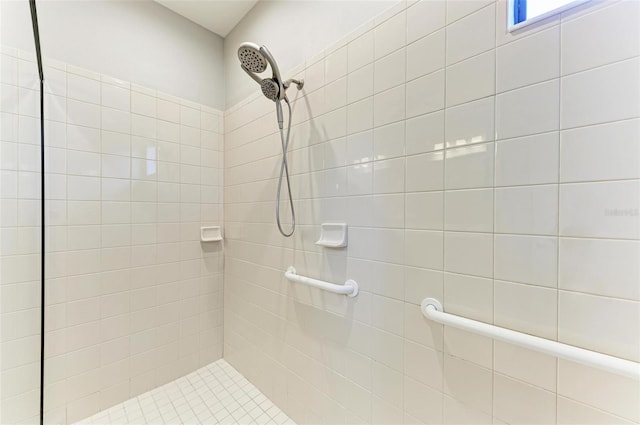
{"x": 254, "y": 60}
{"x": 270, "y": 89}
{"x": 251, "y": 57}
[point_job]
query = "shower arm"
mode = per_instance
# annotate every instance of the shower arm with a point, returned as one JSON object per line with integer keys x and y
{"x": 298, "y": 83}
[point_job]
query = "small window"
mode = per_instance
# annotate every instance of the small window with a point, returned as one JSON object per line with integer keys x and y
{"x": 524, "y": 12}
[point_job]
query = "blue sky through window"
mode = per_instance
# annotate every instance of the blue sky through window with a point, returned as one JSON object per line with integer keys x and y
{"x": 528, "y": 9}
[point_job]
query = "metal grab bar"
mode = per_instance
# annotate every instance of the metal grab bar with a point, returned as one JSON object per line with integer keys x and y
{"x": 350, "y": 287}
{"x": 432, "y": 310}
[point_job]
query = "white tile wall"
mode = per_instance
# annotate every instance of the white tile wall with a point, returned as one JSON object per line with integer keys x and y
{"x": 19, "y": 239}
{"x": 134, "y": 300}
{"x": 495, "y": 171}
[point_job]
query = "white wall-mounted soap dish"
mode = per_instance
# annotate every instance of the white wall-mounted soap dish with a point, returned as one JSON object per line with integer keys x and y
{"x": 333, "y": 235}
{"x": 210, "y": 234}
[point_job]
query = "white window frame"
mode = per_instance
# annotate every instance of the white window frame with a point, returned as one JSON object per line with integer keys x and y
{"x": 510, "y": 5}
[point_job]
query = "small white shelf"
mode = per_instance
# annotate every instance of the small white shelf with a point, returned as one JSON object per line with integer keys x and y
{"x": 333, "y": 235}
{"x": 210, "y": 234}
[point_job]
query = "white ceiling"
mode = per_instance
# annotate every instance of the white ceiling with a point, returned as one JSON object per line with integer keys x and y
{"x": 219, "y": 16}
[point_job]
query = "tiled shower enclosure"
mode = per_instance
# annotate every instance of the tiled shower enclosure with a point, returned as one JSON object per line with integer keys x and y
{"x": 496, "y": 171}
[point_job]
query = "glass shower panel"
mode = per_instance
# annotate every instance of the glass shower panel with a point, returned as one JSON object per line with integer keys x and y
{"x": 57, "y": 263}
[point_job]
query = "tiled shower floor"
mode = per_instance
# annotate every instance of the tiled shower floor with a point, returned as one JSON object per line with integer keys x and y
{"x": 214, "y": 394}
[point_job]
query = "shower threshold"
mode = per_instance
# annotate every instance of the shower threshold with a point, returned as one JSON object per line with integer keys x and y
{"x": 214, "y": 394}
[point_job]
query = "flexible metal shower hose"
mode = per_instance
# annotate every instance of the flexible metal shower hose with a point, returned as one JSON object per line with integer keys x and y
{"x": 284, "y": 170}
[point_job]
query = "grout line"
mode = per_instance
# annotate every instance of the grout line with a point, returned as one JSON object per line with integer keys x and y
{"x": 493, "y": 239}
{"x": 444, "y": 200}
{"x": 558, "y": 211}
